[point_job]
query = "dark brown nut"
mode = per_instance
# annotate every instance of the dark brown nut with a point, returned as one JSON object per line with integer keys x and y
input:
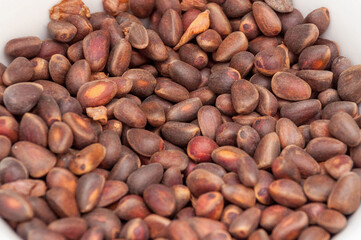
{"x": 306, "y": 132}
{"x": 179, "y": 133}
{"x": 96, "y": 93}
{"x": 228, "y": 156}
{"x": 59, "y": 66}
{"x": 261, "y": 80}
{"x": 266, "y": 19}
{"x": 242, "y": 62}
{"x": 247, "y": 171}
{"x": 317, "y": 79}
{"x": 318, "y": 187}
{"x": 19, "y": 70}
{"x": 189, "y": 16}
{"x": 335, "y": 49}
{"x": 62, "y": 31}
{"x": 262, "y": 43}
{"x": 119, "y": 58}
{"x": 27, "y": 47}
{"x": 48, "y": 109}
{"x": 268, "y": 104}
{"x": 289, "y": 87}
{"x": 249, "y": 26}
{"x": 210, "y": 205}
{"x": 60, "y": 137}
{"x": 82, "y": 25}
{"x": 55, "y": 90}
{"x": 230, "y": 212}
{"x": 179, "y": 229}
{"x": 246, "y": 223}
{"x": 12, "y": 169}
{"x": 271, "y": 60}
{"x": 160, "y": 199}
{"x": 348, "y": 87}
{"x": 141, "y": 178}
{"x": 231, "y": 178}
{"x": 239, "y": 194}
{"x": 87, "y": 159}
{"x": 248, "y": 139}
{"x": 93, "y": 233}
{"x": 143, "y": 82}
{"x": 301, "y": 36}
{"x": 154, "y": 112}
{"x": 328, "y": 96}
{"x": 236, "y": 8}
{"x": 130, "y": 207}
{"x": 170, "y": 27}
{"x": 315, "y": 57}
{"x": 201, "y": 181}
{"x": 209, "y": 40}
{"x": 135, "y": 229}
{"x": 331, "y": 220}
{"x": 115, "y": 31}
{"x": 288, "y": 133}
{"x": 106, "y": 220}
{"x": 305, "y": 162}
{"x": 163, "y": 67}
{"x": 205, "y": 94}
{"x": 247, "y": 119}
{"x": 221, "y": 81}
{"x": 184, "y": 111}
{"x": 112, "y": 192}
{"x": 124, "y": 17}
{"x": 291, "y": 226}
{"x": 14, "y": 207}
{"x": 185, "y": 74}
{"x": 200, "y": 148}
{"x": 226, "y": 134}
{"x": 33, "y": 129}
{"x": 62, "y": 202}
{"x": 9, "y": 127}
{"x": 193, "y": 55}
{"x": 22, "y": 97}
{"x": 96, "y": 49}
{"x": 24, "y": 228}
{"x": 218, "y": 235}
{"x": 267, "y": 150}
{"x": 323, "y": 148}
{"x": 345, "y": 195}
{"x": 204, "y": 226}
{"x": 88, "y": 191}
{"x": 320, "y": 17}
{"x": 264, "y": 125}
{"x": 273, "y": 215}
{"x": 78, "y": 74}
{"x": 70, "y": 104}
{"x": 339, "y": 106}
{"x": 124, "y": 85}
{"x": 156, "y": 49}
{"x": 339, "y": 65}
{"x": 212, "y": 167}
{"x": 209, "y": 119}
{"x": 61, "y": 177}
{"x": 115, "y": 7}
{"x": 137, "y": 35}
{"x": 41, "y": 209}
{"x": 231, "y": 45}
{"x": 314, "y": 232}
{"x": 290, "y": 19}
{"x": 44, "y": 233}
{"x": 27, "y": 187}
{"x": 287, "y": 193}
{"x": 97, "y": 18}
{"x": 245, "y": 96}
{"x": 38, "y": 160}
{"x": 182, "y": 196}
{"x": 82, "y": 130}
{"x": 170, "y": 158}
{"x": 5, "y": 144}
{"x": 285, "y": 169}
{"x": 301, "y": 111}
{"x": 50, "y": 47}
{"x": 75, "y": 52}
{"x": 141, "y": 8}
{"x": 41, "y": 69}
{"x": 282, "y": 6}
{"x": 171, "y": 91}
{"x": 338, "y": 166}
{"x": 110, "y": 140}
{"x": 137, "y": 139}
{"x": 172, "y": 176}
{"x": 218, "y": 20}
{"x": 158, "y": 226}
{"x": 71, "y": 228}
{"x": 126, "y": 111}
{"x": 163, "y": 5}
{"x": 259, "y": 234}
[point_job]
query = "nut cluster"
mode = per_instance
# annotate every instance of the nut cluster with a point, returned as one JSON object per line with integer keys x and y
{"x": 221, "y": 120}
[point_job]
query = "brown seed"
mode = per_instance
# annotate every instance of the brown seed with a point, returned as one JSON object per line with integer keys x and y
{"x": 113, "y": 8}
{"x": 285, "y": 169}
{"x": 88, "y": 191}
{"x": 239, "y": 194}
{"x": 355, "y": 155}
{"x": 170, "y": 158}
{"x": 193, "y": 55}
{"x": 137, "y": 138}
{"x": 61, "y": 177}
{"x": 27, "y": 187}
{"x": 338, "y": 166}
{"x": 320, "y": 17}
{"x": 209, "y": 119}
{"x": 268, "y": 104}
{"x": 185, "y": 74}
{"x": 318, "y": 187}
{"x": 221, "y": 81}
{"x": 314, "y": 232}
{"x": 156, "y": 49}
{"x": 59, "y": 66}
{"x": 323, "y": 148}
{"x": 339, "y": 65}
{"x": 266, "y": 19}
{"x": 119, "y": 58}
{"x": 96, "y": 93}
{"x": 328, "y": 96}
{"x": 226, "y": 134}
{"x": 247, "y": 139}
{"x": 271, "y": 60}
{"x": 230, "y": 212}
{"x": 75, "y": 52}
{"x": 39, "y": 233}
{"x": 130, "y": 207}
{"x": 245, "y": 96}
{"x": 135, "y": 229}
{"x": 14, "y": 207}
{"x": 5, "y": 144}
{"x": 318, "y": 80}
{"x": 184, "y": 111}
{"x": 87, "y": 159}
{"x": 339, "y": 106}
{"x": 289, "y": 87}
{"x": 78, "y": 74}
{"x": 171, "y": 91}
{"x": 247, "y": 171}
{"x": 27, "y": 47}
{"x": 331, "y": 220}
{"x": 200, "y": 148}
{"x": 262, "y": 43}
{"x": 315, "y": 57}
{"x": 48, "y": 109}
{"x": 170, "y": 27}
{"x": 179, "y": 229}
{"x": 301, "y": 36}
{"x": 343, "y": 127}
{"x": 9, "y": 127}
{"x": 94, "y": 233}
{"x": 24, "y": 228}
{"x": 246, "y": 223}
{"x": 112, "y": 192}
{"x": 50, "y": 47}
{"x": 72, "y": 227}
{"x": 249, "y": 26}
{"x": 267, "y": 150}
{"x": 141, "y": 8}
{"x": 209, "y": 40}
{"x": 61, "y": 31}
{"x": 288, "y": 133}
{"x": 287, "y": 193}
{"x": 201, "y": 181}
{"x": 137, "y": 35}
{"x": 160, "y": 199}
{"x": 33, "y": 129}
{"x": 282, "y": 6}
{"x": 210, "y": 205}
{"x": 218, "y": 20}
{"x": 259, "y": 234}
{"x": 291, "y": 226}
{"x": 179, "y": 133}
{"x": 273, "y": 215}
{"x": 190, "y": 15}
{"x": 204, "y": 226}
{"x": 19, "y": 70}
{"x": 106, "y": 220}
{"x": 242, "y": 62}
{"x": 228, "y": 157}
{"x": 126, "y": 111}
{"x": 22, "y": 97}
{"x": 158, "y": 226}
{"x": 182, "y": 196}
{"x": 301, "y": 111}
{"x": 231, "y": 45}
{"x": 143, "y": 82}
{"x": 60, "y": 137}
{"x": 42, "y": 210}
{"x": 345, "y": 195}
{"x": 96, "y": 49}
{"x": 62, "y": 202}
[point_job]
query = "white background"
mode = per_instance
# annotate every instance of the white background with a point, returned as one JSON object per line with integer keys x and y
{"x": 29, "y": 17}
